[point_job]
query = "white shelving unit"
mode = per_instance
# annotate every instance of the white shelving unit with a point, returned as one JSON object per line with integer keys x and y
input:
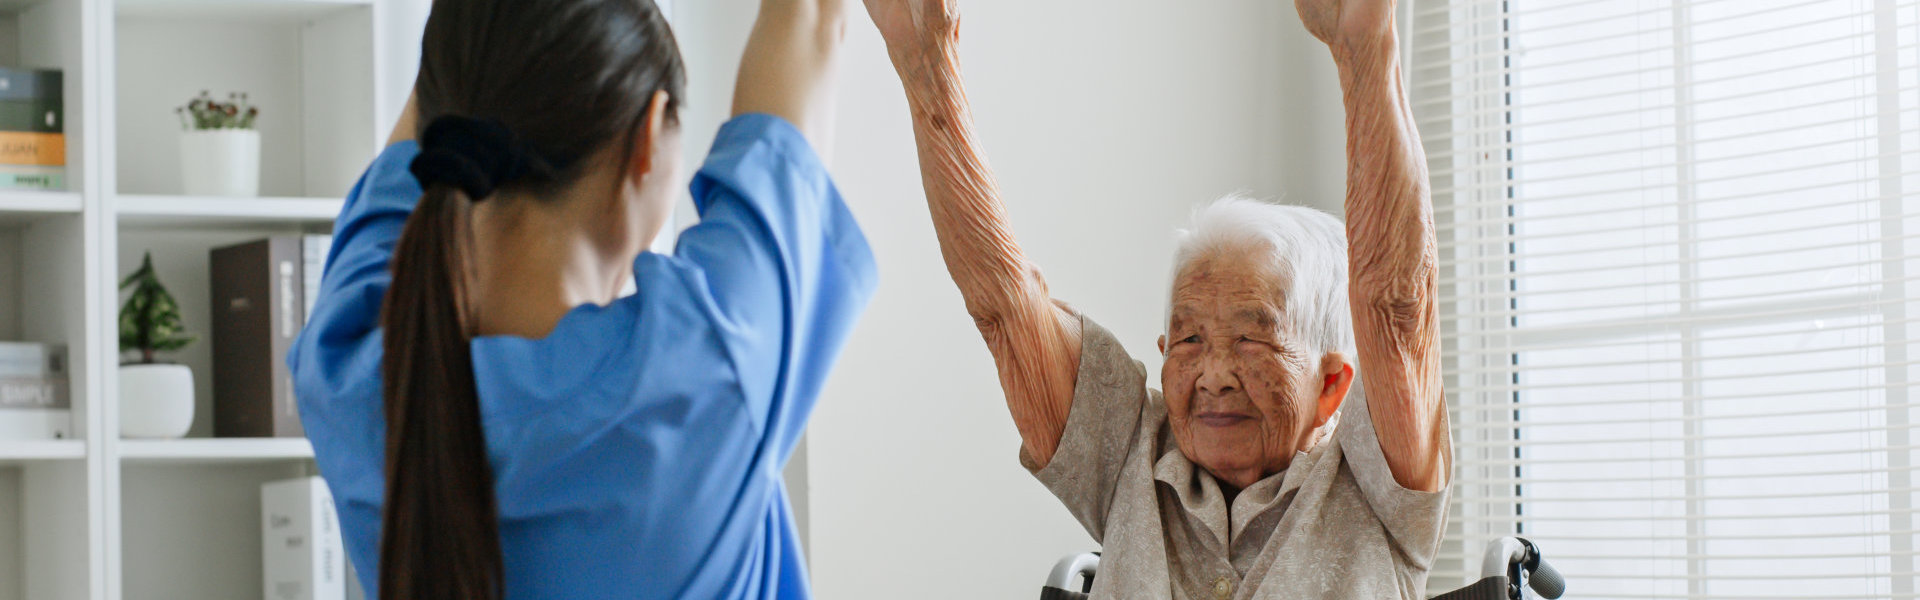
{"x": 97, "y": 517}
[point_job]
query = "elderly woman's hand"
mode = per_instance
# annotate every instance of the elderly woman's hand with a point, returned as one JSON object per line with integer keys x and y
{"x": 913, "y": 28}
{"x": 1344, "y": 24}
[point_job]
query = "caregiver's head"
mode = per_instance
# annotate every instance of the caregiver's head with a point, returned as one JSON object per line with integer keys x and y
{"x": 1259, "y": 341}
{"x": 548, "y": 129}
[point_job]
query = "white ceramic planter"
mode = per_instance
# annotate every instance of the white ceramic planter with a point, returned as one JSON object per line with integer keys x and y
{"x": 156, "y": 401}
{"x": 220, "y": 162}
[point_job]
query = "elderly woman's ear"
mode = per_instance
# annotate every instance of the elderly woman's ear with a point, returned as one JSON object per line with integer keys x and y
{"x": 1336, "y": 377}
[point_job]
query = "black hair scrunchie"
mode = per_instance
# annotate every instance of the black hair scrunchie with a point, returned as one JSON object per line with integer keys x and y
{"x": 475, "y": 155}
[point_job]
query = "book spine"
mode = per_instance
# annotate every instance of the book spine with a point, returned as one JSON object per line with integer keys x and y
{"x": 303, "y": 557}
{"x": 313, "y": 254}
{"x": 27, "y": 359}
{"x": 33, "y": 392}
{"x": 31, "y": 84}
{"x": 32, "y": 148}
{"x": 54, "y": 178}
{"x": 329, "y": 551}
{"x": 256, "y": 291}
{"x": 34, "y": 116}
{"x": 289, "y": 316}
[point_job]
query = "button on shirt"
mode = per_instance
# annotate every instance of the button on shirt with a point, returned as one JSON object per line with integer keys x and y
{"x": 1335, "y": 524}
{"x": 637, "y": 449}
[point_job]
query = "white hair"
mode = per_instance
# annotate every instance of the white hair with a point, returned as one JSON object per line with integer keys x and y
{"x": 1306, "y": 248}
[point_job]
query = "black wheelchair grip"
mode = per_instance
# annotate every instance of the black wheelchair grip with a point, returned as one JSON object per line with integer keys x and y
{"x": 1546, "y": 581}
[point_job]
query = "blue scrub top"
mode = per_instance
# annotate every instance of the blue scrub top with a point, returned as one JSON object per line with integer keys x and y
{"x": 636, "y": 450}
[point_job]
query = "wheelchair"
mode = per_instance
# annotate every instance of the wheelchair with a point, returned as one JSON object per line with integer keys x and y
{"x": 1511, "y": 566}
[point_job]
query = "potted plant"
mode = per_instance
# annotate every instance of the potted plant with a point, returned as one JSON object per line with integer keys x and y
{"x": 219, "y": 149}
{"x": 156, "y": 399}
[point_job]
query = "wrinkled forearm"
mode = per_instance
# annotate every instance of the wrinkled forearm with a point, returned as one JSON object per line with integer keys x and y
{"x": 1393, "y": 267}
{"x": 1035, "y": 344}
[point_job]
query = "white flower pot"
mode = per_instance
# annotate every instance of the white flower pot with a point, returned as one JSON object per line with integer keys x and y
{"x": 220, "y": 162}
{"x": 156, "y": 401}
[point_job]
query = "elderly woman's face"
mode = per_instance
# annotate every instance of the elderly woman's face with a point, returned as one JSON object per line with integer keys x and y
{"x": 1243, "y": 395}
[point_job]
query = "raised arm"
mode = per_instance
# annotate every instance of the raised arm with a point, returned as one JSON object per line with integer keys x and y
{"x": 788, "y": 67}
{"x": 1035, "y": 344}
{"x": 1392, "y": 254}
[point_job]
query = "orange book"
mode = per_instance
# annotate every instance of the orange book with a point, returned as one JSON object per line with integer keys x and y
{"x": 30, "y": 148}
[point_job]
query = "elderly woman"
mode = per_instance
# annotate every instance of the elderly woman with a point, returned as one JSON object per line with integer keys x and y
{"x": 1236, "y": 482}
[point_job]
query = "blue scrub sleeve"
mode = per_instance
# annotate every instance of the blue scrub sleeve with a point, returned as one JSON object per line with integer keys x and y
{"x": 787, "y": 268}
{"x": 356, "y": 277}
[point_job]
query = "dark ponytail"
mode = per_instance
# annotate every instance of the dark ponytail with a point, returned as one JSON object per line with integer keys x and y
{"x": 531, "y": 90}
{"x": 441, "y": 537}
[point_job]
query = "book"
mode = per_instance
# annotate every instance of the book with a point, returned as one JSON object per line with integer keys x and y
{"x": 33, "y": 392}
{"x": 257, "y": 302}
{"x": 33, "y": 177}
{"x": 313, "y": 255}
{"x": 30, "y": 359}
{"x": 33, "y": 376}
{"x": 33, "y": 148}
{"x": 302, "y": 556}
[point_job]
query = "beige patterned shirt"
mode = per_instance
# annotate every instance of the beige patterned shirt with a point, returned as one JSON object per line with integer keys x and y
{"x": 1335, "y": 524}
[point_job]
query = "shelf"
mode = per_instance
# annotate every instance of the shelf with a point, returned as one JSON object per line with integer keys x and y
{"x": 21, "y": 451}
{"x": 215, "y": 450}
{"x": 210, "y": 210}
{"x": 271, "y": 11}
{"x": 24, "y": 206}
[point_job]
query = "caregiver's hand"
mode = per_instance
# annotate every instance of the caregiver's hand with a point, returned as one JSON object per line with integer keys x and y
{"x": 1035, "y": 343}
{"x": 788, "y": 67}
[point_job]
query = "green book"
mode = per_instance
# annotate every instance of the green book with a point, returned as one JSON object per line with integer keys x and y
{"x": 33, "y": 178}
{"x": 31, "y": 101}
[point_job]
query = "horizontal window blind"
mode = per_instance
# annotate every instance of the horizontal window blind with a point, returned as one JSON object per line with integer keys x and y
{"x": 1680, "y": 243}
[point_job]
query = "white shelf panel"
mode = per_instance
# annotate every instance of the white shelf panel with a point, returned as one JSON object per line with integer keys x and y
{"x": 18, "y": 205}
{"x": 233, "y": 10}
{"x": 200, "y": 210}
{"x": 19, "y": 451}
{"x": 216, "y": 450}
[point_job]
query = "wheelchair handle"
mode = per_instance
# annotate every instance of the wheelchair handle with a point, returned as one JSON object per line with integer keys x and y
{"x": 1519, "y": 561}
{"x": 1064, "y": 572}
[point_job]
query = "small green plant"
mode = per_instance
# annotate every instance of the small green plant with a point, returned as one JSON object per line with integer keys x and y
{"x": 204, "y": 113}
{"x": 150, "y": 320}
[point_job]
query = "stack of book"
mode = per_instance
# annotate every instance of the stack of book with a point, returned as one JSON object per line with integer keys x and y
{"x": 34, "y": 397}
{"x": 33, "y": 142}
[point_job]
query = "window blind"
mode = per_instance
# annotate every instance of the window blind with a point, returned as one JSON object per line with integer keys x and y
{"x": 1679, "y": 241}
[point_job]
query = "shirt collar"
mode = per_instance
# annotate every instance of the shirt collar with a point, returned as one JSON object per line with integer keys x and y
{"x": 1202, "y": 500}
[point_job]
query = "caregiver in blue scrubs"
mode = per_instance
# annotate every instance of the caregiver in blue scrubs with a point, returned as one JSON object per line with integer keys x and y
{"x": 493, "y": 419}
